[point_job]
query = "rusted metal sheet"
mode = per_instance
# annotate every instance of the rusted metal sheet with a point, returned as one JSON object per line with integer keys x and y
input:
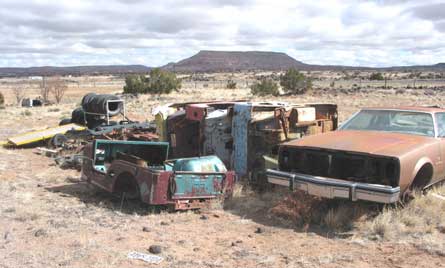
{"x": 196, "y": 112}
{"x": 218, "y": 135}
{"x": 158, "y": 188}
{"x": 190, "y": 130}
{"x": 304, "y": 114}
{"x": 140, "y": 136}
{"x": 184, "y": 135}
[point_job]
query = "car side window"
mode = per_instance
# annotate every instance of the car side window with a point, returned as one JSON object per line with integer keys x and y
{"x": 440, "y": 121}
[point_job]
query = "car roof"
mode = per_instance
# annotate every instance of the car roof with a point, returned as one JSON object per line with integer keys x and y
{"x": 425, "y": 109}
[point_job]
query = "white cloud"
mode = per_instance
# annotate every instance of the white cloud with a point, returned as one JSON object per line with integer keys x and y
{"x": 345, "y": 32}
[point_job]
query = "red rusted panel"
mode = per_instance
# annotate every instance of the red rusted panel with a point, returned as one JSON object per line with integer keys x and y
{"x": 196, "y": 112}
{"x": 183, "y": 135}
{"x": 142, "y": 136}
{"x": 159, "y": 188}
{"x": 229, "y": 183}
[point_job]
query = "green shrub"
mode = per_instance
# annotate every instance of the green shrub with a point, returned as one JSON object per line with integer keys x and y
{"x": 376, "y": 76}
{"x": 159, "y": 82}
{"x": 265, "y": 87}
{"x": 295, "y": 82}
{"x": 231, "y": 84}
{"x": 2, "y": 99}
{"x": 134, "y": 84}
{"x": 162, "y": 82}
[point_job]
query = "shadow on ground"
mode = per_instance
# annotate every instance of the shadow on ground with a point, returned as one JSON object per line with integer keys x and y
{"x": 301, "y": 212}
{"x": 94, "y": 196}
{"x": 277, "y": 208}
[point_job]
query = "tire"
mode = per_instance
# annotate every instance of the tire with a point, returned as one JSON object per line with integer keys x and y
{"x": 422, "y": 179}
{"x": 97, "y": 103}
{"x": 78, "y": 116}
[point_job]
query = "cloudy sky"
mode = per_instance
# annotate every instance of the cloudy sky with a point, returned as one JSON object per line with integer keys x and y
{"x": 153, "y": 33}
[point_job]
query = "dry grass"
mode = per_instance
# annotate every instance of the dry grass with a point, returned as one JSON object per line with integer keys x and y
{"x": 343, "y": 216}
{"x": 431, "y": 244}
{"x": 420, "y": 218}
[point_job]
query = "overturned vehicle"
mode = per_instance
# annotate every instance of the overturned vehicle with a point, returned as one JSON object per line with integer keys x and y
{"x": 244, "y": 135}
{"x": 140, "y": 170}
{"x": 379, "y": 154}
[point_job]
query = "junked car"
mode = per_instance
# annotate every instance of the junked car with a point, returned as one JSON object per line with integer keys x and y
{"x": 141, "y": 170}
{"x": 379, "y": 155}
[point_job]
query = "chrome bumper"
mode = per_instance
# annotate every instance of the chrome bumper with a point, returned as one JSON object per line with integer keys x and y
{"x": 333, "y": 188}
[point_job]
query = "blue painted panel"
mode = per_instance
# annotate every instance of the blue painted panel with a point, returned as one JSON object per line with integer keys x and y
{"x": 195, "y": 185}
{"x": 217, "y": 133}
{"x": 241, "y": 118}
{"x": 209, "y": 163}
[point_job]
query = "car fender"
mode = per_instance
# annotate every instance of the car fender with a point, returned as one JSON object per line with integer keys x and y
{"x": 117, "y": 168}
{"x": 420, "y": 163}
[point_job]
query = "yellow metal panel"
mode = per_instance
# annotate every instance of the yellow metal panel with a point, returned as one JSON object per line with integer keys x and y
{"x": 161, "y": 113}
{"x": 43, "y": 134}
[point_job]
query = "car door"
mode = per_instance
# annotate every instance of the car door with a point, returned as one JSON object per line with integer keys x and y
{"x": 440, "y": 128}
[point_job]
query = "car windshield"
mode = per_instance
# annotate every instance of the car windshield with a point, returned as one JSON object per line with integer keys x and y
{"x": 415, "y": 123}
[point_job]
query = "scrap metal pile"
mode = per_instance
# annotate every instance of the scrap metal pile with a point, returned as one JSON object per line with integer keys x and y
{"x": 189, "y": 155}
{"x": 89, "y": 122}
{"x": 244, "y": 135}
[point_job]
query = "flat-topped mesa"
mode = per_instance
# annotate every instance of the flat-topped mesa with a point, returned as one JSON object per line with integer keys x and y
{"x": 219, "y": 61}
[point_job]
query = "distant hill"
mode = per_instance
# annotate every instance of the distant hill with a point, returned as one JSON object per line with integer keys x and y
{"x": 439, "y": 67}
{"x": 73, "y": 70}
{"x": 226, "y": 61}
{"x": 209, "y": 61}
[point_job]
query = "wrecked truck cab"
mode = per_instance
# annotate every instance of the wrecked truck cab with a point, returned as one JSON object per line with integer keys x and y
{"x": 244, "y": 135}
{"x": 140, "y": 170}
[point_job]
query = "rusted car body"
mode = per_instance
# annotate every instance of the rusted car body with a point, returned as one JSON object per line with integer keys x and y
{"x": 379, "y": 155}
{"x": 187, "y": 129}
{"x": 140, "y": 169}
{"x": 242, "y": 133}
{"x": 258, "y": 129}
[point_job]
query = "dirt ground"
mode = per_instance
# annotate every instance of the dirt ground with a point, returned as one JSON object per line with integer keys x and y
{"x": 51, "y": 219}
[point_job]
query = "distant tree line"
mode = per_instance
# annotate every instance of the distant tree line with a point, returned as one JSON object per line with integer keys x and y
{"x": 158, "y": 82}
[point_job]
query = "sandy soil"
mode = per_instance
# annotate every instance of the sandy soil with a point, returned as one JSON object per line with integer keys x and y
{"x": 51, "y": 219}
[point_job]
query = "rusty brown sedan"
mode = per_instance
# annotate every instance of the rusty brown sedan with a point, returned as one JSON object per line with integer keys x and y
{"x": 379, "y": 155}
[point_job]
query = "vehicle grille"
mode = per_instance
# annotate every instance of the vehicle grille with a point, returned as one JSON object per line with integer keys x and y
{"x": 341, "y": 165}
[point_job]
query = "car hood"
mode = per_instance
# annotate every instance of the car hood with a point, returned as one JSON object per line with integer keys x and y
{"x": 370, "y": 142}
